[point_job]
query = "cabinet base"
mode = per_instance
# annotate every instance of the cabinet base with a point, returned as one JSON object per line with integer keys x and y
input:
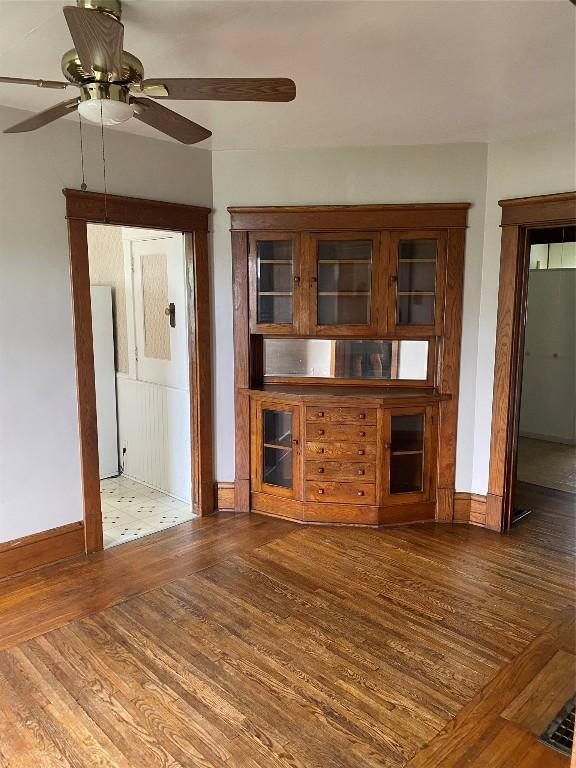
{"x": 342, "y": 514}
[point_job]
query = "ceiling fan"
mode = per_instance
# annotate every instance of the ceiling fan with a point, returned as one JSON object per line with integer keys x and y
{"x": 113, "y": 88}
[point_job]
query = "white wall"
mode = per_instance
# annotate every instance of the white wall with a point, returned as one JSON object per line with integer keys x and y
{"x": 443, "y": 173}
{"x": 39, "y": 461}
{"x": 536, "y": 165}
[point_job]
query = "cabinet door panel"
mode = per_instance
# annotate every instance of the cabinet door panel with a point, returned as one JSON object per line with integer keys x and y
{"x": 274, "y": 285}
{"x": 345, "y": 272}
{"x": 416, "y": 280}
{"x": 408, "y": 449}
{"x": 275, "y": 449}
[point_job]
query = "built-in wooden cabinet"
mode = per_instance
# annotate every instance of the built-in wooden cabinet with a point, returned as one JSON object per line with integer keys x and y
{"x": 346, "y": 334}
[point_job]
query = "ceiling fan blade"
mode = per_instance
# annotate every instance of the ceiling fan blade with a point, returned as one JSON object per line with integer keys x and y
{"x": 221, "y": 88}
{"x": 45, "y": 117}
{"x": 169, "y": 122}
{"x": 39, "y": 83}
{"x": 98, "y": 39}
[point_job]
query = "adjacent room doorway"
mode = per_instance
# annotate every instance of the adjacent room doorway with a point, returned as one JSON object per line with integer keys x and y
{"x": 139, "y": 331}
{"x": 140, "y": 289}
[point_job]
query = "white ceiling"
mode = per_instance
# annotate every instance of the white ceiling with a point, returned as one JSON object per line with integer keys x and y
{"x": 367, "y": 73}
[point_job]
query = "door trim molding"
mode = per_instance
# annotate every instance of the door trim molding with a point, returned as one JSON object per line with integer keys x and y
{"x": 192, "y": 221}
{"x": 519, "y": 215}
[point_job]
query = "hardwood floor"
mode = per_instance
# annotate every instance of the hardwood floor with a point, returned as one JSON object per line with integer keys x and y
{"x": 249, "y": 642}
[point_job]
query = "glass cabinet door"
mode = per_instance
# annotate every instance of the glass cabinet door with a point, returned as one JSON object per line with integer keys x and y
{"x": 408, "y": 461}
{"x": 342, "y": 283}
{"x": 274, "y": 279}
{"x": 416, "y": 282}
{"x": 277, "y": 428}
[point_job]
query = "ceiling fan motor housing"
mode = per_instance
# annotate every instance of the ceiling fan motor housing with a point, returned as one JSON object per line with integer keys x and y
{"x": 132, "y": 70}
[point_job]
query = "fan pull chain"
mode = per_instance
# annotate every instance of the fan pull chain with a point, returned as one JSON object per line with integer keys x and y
{"x": 83, "y": 186}
{"x": 104, "y": 166}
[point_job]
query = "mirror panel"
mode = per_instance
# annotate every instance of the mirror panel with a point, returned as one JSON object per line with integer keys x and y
{"x": 369, "y": 359}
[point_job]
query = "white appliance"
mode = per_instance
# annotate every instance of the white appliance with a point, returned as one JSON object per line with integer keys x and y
{"x": 105, "y": 379}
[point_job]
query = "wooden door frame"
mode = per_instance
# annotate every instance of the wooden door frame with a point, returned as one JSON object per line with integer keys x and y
{"x": 91, "y": 207}
{"x": 519, "y": 216}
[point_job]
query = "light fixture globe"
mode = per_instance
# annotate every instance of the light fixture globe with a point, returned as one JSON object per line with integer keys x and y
{"x": 105, "y": 103}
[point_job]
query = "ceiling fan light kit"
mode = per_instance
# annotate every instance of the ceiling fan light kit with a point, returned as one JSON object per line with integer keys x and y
{"x": 111, "y": 80}
{"x": 105, "y": 103}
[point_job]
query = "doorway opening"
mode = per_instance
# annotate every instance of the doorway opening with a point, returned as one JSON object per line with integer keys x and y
{"x": 171, "y": 223}
{"x": 534, "y": 378}
{"x": 546, "y": 445}
{"x": 139, "y": 332}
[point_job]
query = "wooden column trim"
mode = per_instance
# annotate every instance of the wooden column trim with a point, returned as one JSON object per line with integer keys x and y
{"x": 241, "y": 370}
{"x": 85, "y": 383}
{"x": 192, "y": 221}
{"x": 449, "y": 373}
{"x": 518, "y": 217}
{"x": 199, "y": 357}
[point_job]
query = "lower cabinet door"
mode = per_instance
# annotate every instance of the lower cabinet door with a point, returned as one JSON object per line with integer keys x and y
{"x": 409, "y": 444}
{"x": 275, "y": 449}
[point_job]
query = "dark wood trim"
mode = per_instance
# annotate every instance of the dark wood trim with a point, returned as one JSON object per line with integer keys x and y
{"x": 323, "y": 218}
{"x": 200, "y": 374}
{"x": 135, "y": 212}
{"x": 518, "y": 217}
{"x": 41, "y": 548}
{"x": 241, "y": 370}
{"x": 542, "y": 209}
{"x": 448, "y": 357}
{"x": 470, "y": 508}
{"x": 224, "y": 497}
{"x": 84, "y": 207}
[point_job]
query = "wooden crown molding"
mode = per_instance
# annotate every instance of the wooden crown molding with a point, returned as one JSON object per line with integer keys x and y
{"x": 41, "y": 548}
{"x": 542, "y": 209}
{"x": 299, "y": 218}
{"x": 135, "y": 211}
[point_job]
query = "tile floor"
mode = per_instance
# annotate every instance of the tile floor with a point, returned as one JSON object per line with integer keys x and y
{"x": 552, "y": 465}
{"x": 131, "y": 510}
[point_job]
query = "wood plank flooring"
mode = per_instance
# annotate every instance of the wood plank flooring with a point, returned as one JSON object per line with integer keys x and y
{"x": 246, "y": 642}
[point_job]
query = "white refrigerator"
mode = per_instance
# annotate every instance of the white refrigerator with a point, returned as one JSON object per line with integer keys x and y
{"x": 105, "y": 378}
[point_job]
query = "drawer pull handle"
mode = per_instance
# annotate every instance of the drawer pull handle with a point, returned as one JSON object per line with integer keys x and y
{"x": 360, "y": 493}
{"x": 362, "y": 416}
{"x": 320, "y": 450}
{"x": 320, "y": 490}
{"x": 321, "y": 432}
{"x": 362, "y": 433}
{"x": 320, "y": 470}
{"x": 295, "y": 442}
{"x": 360, "y": 471}
{"x": 320, "y": 414}
{"x": 361, "y": 452}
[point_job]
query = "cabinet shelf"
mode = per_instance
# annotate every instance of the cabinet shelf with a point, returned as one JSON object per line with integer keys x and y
{"x": 275, "y": 261}
{"x": 417, "y": 261}
{"x": 274, "y": 293}
{"x": 278, "y": 447}
{"x": 407, "y": 453}
{"x": 416, "y": 293}
{"x": 344, "y": 261}
{"x": 343, "y": 293}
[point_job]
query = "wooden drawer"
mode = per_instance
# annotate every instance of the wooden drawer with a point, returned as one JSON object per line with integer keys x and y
{"x": 340, "y": 470}
{"x": 358, "y": 493}
{"x": 343, "y": 415}
{"x": 319, "y": 431}
{"x": 358, "y": 451}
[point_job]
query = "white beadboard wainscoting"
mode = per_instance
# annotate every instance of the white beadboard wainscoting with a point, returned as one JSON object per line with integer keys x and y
{"x": 154, "y": 427}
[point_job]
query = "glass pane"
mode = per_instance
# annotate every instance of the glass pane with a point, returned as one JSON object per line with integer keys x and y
{"x": 416, "y": 282}
{"x": 277, "y": 454}
{"x": 407, "y": 453}
{"x": 344, "y": 282}
{"x": 354, "y": 359}
{"x": 415, "y": 310}
{"x": 274, "y": 270}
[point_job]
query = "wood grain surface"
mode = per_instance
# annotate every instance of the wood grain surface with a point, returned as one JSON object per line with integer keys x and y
{"x": 246, "y": 642}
